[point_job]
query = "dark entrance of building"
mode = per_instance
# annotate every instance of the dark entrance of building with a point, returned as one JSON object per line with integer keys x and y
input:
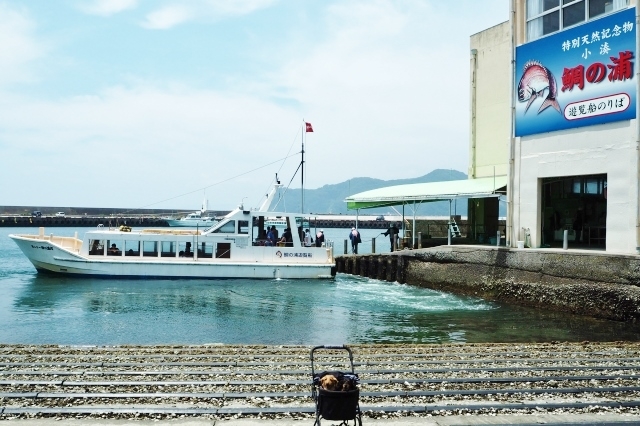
{"x": 578, "y": 205}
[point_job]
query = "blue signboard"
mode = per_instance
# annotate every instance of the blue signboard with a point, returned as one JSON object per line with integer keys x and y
{"x": 579, "y": 77}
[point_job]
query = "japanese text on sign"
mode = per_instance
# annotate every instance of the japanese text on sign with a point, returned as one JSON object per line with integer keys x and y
{"x": 594, "y": 107}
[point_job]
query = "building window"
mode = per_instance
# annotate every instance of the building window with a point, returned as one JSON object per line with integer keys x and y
{"x": 573, "y": 13}
{"x": 549, "y": 16}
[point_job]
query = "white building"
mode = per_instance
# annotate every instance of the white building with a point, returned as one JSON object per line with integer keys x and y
{"x": 575, "y": 146}
{"x": 554, "y": 115}
{"x": 573, "y": 151}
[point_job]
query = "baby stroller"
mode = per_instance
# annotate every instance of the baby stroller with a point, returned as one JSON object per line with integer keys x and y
{"x": 341, "y": 402}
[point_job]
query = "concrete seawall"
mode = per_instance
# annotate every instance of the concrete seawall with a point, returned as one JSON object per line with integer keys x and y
{"x": 584, "y": 282}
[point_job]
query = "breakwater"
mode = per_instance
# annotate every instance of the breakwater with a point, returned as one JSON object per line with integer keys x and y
{"x": 587, "y": 283}
{"x": 433, "y": 226}
{"x": 80, "y": 221}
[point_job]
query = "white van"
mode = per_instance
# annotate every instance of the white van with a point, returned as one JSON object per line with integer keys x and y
{"x": 60, "y": 214}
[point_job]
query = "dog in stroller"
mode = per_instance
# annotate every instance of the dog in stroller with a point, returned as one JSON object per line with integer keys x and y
{"x": 330, "y": 382}
{"x": 336, "y": 393}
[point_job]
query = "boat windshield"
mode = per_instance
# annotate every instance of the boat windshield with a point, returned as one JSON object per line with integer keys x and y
{"x": 228, "y": 227}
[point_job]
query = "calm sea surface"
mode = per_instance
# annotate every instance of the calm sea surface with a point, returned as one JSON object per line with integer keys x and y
{"x": 82, "y": 311}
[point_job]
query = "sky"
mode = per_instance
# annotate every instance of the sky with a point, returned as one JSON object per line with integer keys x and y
{"x": 164, "y": 103}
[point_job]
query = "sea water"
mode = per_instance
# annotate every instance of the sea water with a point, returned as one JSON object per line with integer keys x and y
{"x": 44, "y": 309}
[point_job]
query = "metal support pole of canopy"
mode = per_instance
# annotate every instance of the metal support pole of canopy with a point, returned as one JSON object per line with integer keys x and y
{"x": 413, "y": 233}
{"x": 449, "y": 226}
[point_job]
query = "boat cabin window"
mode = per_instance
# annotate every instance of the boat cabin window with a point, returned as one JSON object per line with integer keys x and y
{"x": 96, "y": 247}
{"x": 132, "y": 248}
{"x": 260, "y": 237}
{"x": 243, "y": 227}
{"x": 150, "y": 248}
{"x": 227, "y": 228}
{"x": 185, "y": 249}
{"x": 168, "y": 249}
{"x": 223, "y": 250}
{"x": 114, "y": 247}
{"x": 205, "y": 250}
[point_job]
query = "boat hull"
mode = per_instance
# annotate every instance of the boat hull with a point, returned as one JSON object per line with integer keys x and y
{"x": 51, "y": 258}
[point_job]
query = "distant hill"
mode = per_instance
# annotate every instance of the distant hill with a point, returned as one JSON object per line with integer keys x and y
{"x": 330, "y": 198}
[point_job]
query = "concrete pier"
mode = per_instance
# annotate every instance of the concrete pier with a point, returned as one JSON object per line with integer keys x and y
{"x": 581, "y": 282}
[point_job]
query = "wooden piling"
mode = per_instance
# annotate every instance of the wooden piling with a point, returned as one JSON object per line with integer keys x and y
{"x": 365, "y": 265}
{"x": 380, "y": 267}
{"x": 392, "y": 264}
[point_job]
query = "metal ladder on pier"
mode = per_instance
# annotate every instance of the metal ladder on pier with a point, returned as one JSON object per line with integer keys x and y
{"x": 455, "y": 230}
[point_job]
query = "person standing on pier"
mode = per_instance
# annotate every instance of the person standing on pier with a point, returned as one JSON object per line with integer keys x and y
{"x": 392, "y": 232}
{"x": 354, "y": 236}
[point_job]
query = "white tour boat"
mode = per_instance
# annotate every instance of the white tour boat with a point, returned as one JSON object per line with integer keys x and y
{"x": 234, "y": 247}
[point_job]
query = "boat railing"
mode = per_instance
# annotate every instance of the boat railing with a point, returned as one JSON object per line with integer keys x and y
{"x": 329, "y": 246}
{"x": 69, "y": 243}
{"x": 170, "y": 231}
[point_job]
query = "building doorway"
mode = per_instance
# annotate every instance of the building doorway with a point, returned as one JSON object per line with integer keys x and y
{"x": 578, "y": 205}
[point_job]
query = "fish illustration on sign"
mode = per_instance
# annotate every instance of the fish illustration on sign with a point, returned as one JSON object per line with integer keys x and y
{"x": 535, "y": 80}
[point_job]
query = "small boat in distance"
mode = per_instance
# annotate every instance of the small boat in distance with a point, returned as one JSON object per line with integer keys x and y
{"x": 278, "y": 222}
{"x": 234, "y": 247}
{"x": 195, "y": 219}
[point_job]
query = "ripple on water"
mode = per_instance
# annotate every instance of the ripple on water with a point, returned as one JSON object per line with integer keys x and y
{"x": 409, "y": 298}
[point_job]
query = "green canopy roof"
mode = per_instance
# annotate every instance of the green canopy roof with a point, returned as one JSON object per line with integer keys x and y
{"x": 427, "y": 192}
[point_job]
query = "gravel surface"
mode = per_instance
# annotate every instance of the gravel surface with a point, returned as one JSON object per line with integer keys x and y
{"x": 274, "y": 382}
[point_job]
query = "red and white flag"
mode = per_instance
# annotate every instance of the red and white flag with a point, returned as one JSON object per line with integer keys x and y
{"x": 309, "y": 127}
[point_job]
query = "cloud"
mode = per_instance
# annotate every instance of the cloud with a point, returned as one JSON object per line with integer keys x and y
{"x": 237, "y": 7}
{"x": 143, "y": 138}
{"x": 108, "y": 7}
{"x": 167, "y": 17}
{"x": 383, "y": 85}
{"x": 18, "y": 46}
{"x": 204, "y": 10}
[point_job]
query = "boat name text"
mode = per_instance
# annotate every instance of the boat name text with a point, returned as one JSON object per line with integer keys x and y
{"x": 298, "y": 254}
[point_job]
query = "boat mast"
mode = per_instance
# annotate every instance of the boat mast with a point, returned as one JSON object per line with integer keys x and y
{"x": 304, "y": 130}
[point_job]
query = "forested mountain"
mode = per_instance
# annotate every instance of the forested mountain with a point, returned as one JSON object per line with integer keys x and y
{"x": 330, "y": 198}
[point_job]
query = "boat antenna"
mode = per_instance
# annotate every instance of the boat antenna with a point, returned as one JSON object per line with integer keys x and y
{"x": 304, "y": 125}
